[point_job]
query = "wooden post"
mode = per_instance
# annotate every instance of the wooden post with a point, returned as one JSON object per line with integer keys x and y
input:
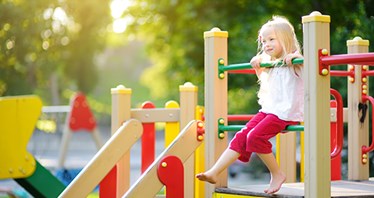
{"x": 286, "y": 154}
{"x": 215, "y": 101}
{"x": 357, "y": 131}
{"x": 188, "y": 103}
{"x": 118, "y": 180}
{"x": 316, "y": 29}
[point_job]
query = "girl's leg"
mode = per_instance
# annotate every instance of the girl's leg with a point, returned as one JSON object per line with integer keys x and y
{"x": 236, "y": 149}
{"x": 277, "y": 176}
{"x": 239, "y": 142}
{"x": 258, "y": 141}
{"x": 225, "y": 160}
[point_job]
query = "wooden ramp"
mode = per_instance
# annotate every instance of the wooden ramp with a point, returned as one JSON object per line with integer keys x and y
{"x": 341, "y": 188}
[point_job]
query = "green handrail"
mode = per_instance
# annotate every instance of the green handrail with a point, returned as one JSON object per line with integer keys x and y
{"x": 222, "y": 68}
{"x": 239, "y": 127}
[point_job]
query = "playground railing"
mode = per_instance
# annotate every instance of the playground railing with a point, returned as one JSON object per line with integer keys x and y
{"x": 104, "y": 160}
{"x": 366, "y": 149}
{"x": 168, "y": 169}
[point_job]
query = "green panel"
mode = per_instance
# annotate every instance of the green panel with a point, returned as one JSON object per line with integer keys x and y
{"x": 41, "y": 183}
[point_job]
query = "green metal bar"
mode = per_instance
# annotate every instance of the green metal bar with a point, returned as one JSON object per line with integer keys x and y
{"x": 240, "y": 66}
{"x": 295, "y": 128}
{"x": 41, "y": 183}
{"x": 239, "y": 127}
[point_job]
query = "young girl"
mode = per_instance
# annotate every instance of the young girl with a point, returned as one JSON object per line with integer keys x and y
{"x": 281, "y": 97}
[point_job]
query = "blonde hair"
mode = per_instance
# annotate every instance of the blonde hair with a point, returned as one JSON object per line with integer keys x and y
{"x": 284, "y": 32}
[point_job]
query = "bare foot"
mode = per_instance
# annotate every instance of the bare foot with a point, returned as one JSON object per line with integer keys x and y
{"x": 207, "y": 177}
{"x": 275, "y": 183}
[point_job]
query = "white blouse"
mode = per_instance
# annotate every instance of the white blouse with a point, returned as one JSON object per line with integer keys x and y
{"x": 282, "y": 92}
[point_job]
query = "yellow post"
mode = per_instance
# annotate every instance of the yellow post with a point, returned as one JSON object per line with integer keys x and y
{"x": 357, "y": 132}
{"x": 302, "y": 156}
{"x": 316, "y": 29}
{"x": 171, "y": 128}
{"x": 215, "y": 48}
{"x": 199, "y": 158}
{"x": 121, "y": 111}
{"x": 188, "y": 103}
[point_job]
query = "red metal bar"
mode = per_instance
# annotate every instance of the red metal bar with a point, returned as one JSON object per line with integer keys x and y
{"x": 336, "y": 163}
{"x": 239, "y": 117}
{"x": 342, "y": 73}
{"x": 343, "y": 59}
{"x": 339, "y": 121}
{"x": 368, "y": 73}
{"x": 148, "y": 140}
{"x": 366, "y": 149}
{"x": 243, "y": 71}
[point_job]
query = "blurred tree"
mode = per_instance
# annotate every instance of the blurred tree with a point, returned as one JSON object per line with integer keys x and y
{"x": 47, "y": 42}
{"x": 87, "y": 40}
{"x": 21, "y": 44}
{"x": 172, "y": 31}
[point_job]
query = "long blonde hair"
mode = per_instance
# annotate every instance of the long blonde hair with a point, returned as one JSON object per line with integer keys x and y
{"x": 284, "y": 32}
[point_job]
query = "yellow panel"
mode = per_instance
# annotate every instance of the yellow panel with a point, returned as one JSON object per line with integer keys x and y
{"x": 171, "y": 128}
{"x": 18, "y": 117}
{"x": 221, "y": 195}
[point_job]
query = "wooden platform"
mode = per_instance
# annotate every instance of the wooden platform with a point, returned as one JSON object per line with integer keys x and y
{"x": 341, "y": 188}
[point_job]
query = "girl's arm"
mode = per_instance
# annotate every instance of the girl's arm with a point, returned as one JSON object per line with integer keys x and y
{"x": 255, "y": 63}
{"x": 289, "y": 57}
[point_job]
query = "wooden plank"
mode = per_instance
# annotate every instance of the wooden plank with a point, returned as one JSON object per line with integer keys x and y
{"x": 339, "y": 188}
{"x": 119, "y": 144}
{"x": 156, "y": 115}
{"x": 148, "y": 185}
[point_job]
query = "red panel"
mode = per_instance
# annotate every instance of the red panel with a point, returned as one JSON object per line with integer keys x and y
{"x": 81, "y": 116}
{"x": 148, "y": 140}
{"x": 170, "y": 173}
{"x": 108, "y": 186}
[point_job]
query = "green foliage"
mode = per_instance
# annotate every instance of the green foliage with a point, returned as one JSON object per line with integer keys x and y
{"x": 41, "y": 39}
{"x": 172, "y": 31}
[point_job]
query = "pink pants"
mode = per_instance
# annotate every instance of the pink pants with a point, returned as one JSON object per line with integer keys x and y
{"x": 254, "y": 137}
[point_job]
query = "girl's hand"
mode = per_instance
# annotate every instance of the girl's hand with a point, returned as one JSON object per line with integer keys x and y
{"x": 255, "y": 63}
{"x": 289, "y": 57}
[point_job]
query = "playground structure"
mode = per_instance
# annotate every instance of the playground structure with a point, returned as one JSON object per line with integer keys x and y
{"x": 110, "y": 166}
{"x": 317, "y": 94}
{"x": 114, "y": 157}
{"x": 124, "y": 136}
